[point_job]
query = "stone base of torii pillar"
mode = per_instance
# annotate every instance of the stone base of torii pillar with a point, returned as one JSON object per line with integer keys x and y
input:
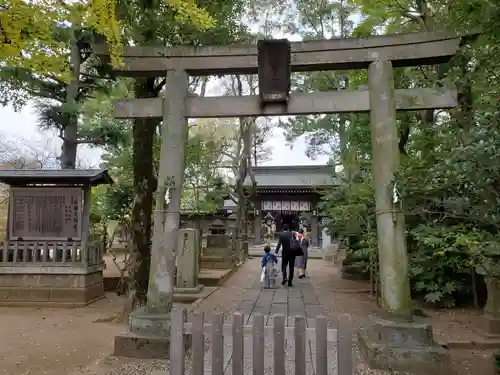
{"x": 402, "y": 345}
{"x": 148, "y": 335}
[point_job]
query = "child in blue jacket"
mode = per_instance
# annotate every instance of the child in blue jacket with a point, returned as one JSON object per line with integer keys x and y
{"x": 268, "y": 274}
{"x": 268, "y": 256}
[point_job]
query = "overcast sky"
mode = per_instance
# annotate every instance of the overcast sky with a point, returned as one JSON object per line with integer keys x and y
{"x": 23, "y": 126}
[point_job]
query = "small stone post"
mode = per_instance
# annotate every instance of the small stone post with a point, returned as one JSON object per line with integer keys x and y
{"x": 188, "y": 266}
{"x": 394, "y": 280}
{"x": 395, "y": 339}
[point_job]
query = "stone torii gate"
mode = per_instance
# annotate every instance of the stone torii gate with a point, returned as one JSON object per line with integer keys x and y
{"x": 396, "y": 338}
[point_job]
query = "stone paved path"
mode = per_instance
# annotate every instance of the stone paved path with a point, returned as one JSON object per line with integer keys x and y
{"x": 299, "y": 300}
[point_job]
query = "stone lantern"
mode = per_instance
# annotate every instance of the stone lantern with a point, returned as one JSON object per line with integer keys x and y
{"x": 217, "y": 254}
{"x": 490, "y": 269}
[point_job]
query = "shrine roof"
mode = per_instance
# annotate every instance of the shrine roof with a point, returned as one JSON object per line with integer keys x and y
{"x": 20, "y": 177}
{"x": 296, "y": 176}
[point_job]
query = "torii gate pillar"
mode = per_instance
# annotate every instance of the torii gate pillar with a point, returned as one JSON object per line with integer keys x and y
{"x": 395, "y": 340}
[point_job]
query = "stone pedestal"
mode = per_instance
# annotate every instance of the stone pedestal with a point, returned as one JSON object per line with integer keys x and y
{"x": 399, "y": 345}
{"x": 58, "y": 287}
{"x": 188, "y": 267}
{"x": 339, "y": 255}
{"x": 148, "y": 336}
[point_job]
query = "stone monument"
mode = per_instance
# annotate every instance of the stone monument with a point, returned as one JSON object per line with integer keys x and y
{"x": 188, "y": 262}
{"x": 47, "y": 259}
{"x": 491, "y": 317}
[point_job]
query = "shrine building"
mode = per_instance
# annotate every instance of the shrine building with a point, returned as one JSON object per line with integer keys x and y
{"x": 289, "y": 195}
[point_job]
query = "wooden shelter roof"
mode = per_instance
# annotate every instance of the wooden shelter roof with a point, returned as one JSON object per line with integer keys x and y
{"x": 22, "y": 177}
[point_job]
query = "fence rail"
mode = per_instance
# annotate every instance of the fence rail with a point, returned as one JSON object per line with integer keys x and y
{"x": 50, "y": 253}
{"x": 299, "y": 334}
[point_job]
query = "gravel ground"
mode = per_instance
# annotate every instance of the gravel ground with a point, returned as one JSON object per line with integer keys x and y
{"x": 70, "y": 342}
{"x": 222, "y": 300}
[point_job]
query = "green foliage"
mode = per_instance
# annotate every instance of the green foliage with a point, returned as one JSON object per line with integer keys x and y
{"x": 204, "y": 188}
{"x": 350, "y": 208}
{"x": 27, "y": 29}
{"x": 441, "y": 258}
{"x": 448, "y": 184}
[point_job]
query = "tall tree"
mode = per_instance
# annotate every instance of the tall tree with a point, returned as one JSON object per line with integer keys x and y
{"x": 65, "y": 74}
{"x": 58, "y": 98}
{"x": 151, "y": 23}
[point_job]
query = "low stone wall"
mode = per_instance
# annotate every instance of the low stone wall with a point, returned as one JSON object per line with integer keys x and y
{"x": 39, "y": 288}
{"x": 50, "y": 274}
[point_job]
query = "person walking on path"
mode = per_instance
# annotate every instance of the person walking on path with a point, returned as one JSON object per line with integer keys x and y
{"x": 301, "y": 260}
{"x": 291, "y": 248}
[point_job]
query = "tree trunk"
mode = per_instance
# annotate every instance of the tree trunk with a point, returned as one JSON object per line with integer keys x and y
{"x": 144, "y": 185}
{"x": 70, "y": 131}
{"x": 240, "y": 235}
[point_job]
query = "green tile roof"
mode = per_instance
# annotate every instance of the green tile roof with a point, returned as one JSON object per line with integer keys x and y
{"x": 293, "y": 176}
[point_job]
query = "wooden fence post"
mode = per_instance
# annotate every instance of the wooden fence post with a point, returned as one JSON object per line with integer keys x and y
{"x": 299, "y": 333}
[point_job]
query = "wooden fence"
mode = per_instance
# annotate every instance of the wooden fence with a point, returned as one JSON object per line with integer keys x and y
{"x": 299, "y": 334}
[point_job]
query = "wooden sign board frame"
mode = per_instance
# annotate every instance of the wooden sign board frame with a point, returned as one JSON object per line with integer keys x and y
{"x": 68, "y": 192}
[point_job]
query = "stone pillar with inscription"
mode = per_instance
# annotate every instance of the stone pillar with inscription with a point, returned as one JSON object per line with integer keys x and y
{"x": 188, "y": 265}
{"x": 326, "y": 239}
{"x": 396, "y": 339}
{"x": 149, "y": 335}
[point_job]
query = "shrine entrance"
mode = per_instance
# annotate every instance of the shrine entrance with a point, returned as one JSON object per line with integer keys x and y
{"x": 288, "y": 194}
{"x": 274, "y": 61}
{"x": 292, "y": 220}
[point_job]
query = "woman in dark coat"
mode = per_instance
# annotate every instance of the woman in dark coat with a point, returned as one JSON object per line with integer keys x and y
{"x": 301, "y": 261}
